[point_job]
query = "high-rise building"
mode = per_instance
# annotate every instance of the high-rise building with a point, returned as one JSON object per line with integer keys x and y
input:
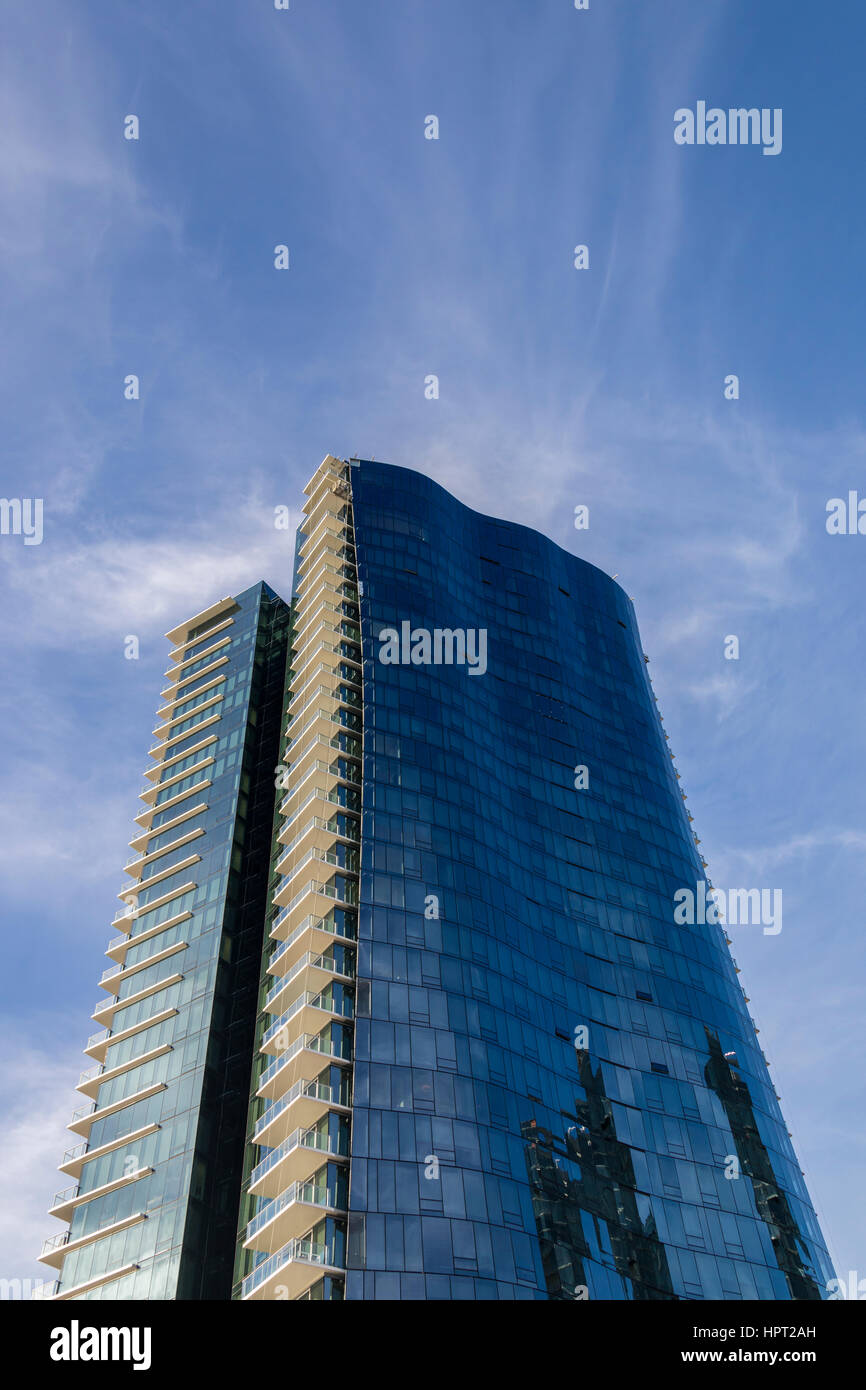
{"x": 464, "y": 1046}
{"x": 152, "y": 1207}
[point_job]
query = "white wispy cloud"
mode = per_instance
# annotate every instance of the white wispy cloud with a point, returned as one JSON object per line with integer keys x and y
{"x": 75, "y": 590}
{"x": 36, "y": 1102}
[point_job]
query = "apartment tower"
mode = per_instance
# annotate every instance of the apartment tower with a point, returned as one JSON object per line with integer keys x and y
{"x": 401, "y": 1007}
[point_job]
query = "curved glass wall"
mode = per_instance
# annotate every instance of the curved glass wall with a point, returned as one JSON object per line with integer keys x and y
{"x": 554, "y": 1082}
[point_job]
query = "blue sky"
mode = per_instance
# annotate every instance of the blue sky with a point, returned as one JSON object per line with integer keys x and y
{"x": 412, "y": 257}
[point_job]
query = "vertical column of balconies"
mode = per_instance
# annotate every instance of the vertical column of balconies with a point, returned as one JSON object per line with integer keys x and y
{"x": 306, "y": 1084}
{"x": 192, "y": 747}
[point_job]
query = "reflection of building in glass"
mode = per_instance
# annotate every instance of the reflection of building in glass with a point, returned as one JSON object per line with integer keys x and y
{"x": 605, "y": 1191}
{"x": 788, "y": 1244}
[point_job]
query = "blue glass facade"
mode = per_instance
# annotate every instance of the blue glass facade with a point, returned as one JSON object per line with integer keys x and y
{"x": 551, "y": 1077}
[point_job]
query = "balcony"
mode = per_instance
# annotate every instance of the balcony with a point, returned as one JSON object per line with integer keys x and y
{"x": 301, "y": 1107}
{"x": 75, "y": 1159}
{"x": 308, "y": 864}
{"x": 331, "y": 699}
{"x": 327, "y": 799}
{"x": 320, "y": 834}
{"x": 148, "y": 812}
{"x": 324, "y": 573}
{"x": 320, "y": 727}
{"x": 311, "y": 972}
{"x": 324, "y": 534}
{"x": 314, "y": 934}
{"x": 112, "y": 978}
{"x": 295, "y": 1160}
{"x": 296, "y": 1267}
{"x": 304, "y": 628}
{"x": 90, "y": 1081}
{"x": 86, "y": 1115}
{"x": 72, "y": 1154}
{"x": 137, "y": 864}
{"x": 168, "y": 714}
{"x": 320, "y": 722}
{"x": 312, "y": 900}
{"x": 326, "y": 589}
{"x": 177, "y": 666}
{"x": 174, "y": 691}
{"x": 56, "y": 1248}
{"x": 46, "y": 1290}
{"x": 328, "y": 671}
{"x": 302, "y": 1061}
{"x": 64, "y": 1203}
{"x": 131, "y": 889}
{"x": 99, "y": 1279}
{"x": 328, "y": 506}
{"x": 99, "y": 1043}
{"x": 309, "y": 1013}
{"x": 126, "y": 914}
{"x": 290, "y": 1215}
{"x": 118, "y": 948}
{"x": 106, "y": 1009}
{"x": 150, "y": 791}
{"x": 325, "y": 744}
{"x": 143, "y": 835}
{"x": 328, "y": 653}
{"x": 322, "y": 777}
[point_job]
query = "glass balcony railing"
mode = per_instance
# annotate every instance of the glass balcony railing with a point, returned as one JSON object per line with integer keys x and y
{"x": 301, "y": 734}
{"x": 347, "y": 896}
{"x": 342, "y": 696}
{"x": 309, "y": 999}
{"x": 298, "y": 1139}
{"x": 324, "y": 924}
{"x": 335, "y": 674}
{"x": 65, "y": 1196}
{"x": 305, "y": 1250}
{"x": 320, "y": 856}
{"x": 315, "y": 1090}
{"x": 318, "y": 962}
{"x": 311, "y": 1042}
{"x": 318, "y": 572}
{"x": 317, "y": 795}
{"x": 321, "y": 741}
{"x": 54, "y": 1242}
{"x": 314, "y": 823}
{"x": 307, "y": 618}
{"x": 316, "y": 1194}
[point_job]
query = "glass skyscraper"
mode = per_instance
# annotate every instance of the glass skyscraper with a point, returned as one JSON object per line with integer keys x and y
{"x": 407, "y": 1012}
{"x": 152, "y": 1206}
